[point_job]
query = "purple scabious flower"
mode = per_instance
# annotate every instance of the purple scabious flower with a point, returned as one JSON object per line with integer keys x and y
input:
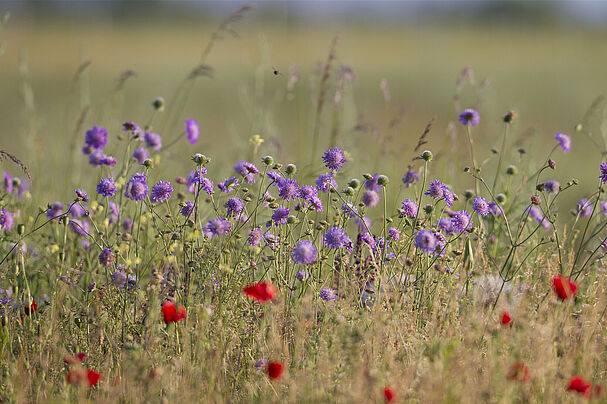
{"x": 328, "y": 295}
{"x": 553, "y": 186}
{"x": 288, "y": 189}
{"x": 235, "y": 206}
{"x": 55, "y": 210}
{"x": 80, "y": 227}
{"x": 316, "y": 204}
{"x": 410, "y": 178}
{"x": 110, "y": 161}
{"x": 324, "y": 182}
{"x": 495, "y": 209}
{"x": 129, "y": 126}
{"x": 584, "y": 208}
{"x": 8, "y": 183}
{"x": 460, "y": 221}
{"x": 6, "y": 220}
{"x": 436, "y": 190}
{"x": 137, "y": 187}
{"x": 394, "y": 233}
{"x": 349, "y": 209}
{"x": 469, "y": 117}
{"x": 302, "y": 275}
{"x": 161, "y": 192}
{"x": 206, "y": 185}
{"x": 603, "y": 176}
{"x": 425, "y": 241}
{"x": 308, "y": 193}
{"x": 448, "y": 196}
{"x": 228, "y": 185}
{"x": 247, "y": 170}
{"x": 604, "y": 206}
{"x": 194, "y": 178}
{"x": 445, "y": 225}
{"x": 370, "y": 199}
{"x": 114, "y": 212}
{"x": 82, "y": 195}
{"x": 335, "y": 238}
{"x": 305, "y": 253}
{"x": 107, "y": 258}
{"x": 216, "y": 227}
{"x": 118, "y": 279}
{"x": 372, "y": 185}
{"x": 480, "y": 206}
{"x": 106, "y": 187}
{"x": 140, "y": 154}
{"x": 255, "y": 237}
{"x": 192, "y": 130}
{"x": 97, "y": 158}
{"x": 187, "y": 209}
{"x": 564, "y": 141}
{"x": 334, "y": 159}
{"x": 280, "y": 215}
{"x": 153, "y": 140}
{"x": 275, "y": 176}
{"x": 537, "y": 214}
{"x": 409, "y": 208}
{"x": 95, "y": 138}
{"x": 366, "y": 238}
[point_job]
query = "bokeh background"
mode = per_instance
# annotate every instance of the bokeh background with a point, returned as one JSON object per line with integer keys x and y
{"x": 544, "y": 60}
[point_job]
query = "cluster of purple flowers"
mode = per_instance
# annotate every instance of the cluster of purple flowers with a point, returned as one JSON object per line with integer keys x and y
{"x": 438, "y": 190}
{"x": 336, "y": 238}
{"x": 217, "y": 227}
{"x": 94, "y": 142}
{"x": 247, "y": 170}
{"x": 10, "y": 185}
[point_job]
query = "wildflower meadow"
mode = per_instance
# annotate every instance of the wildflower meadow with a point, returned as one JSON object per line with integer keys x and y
{"x": 466, "y": 267}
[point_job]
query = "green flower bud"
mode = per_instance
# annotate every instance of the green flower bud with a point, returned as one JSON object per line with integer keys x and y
{"x": 158, "y": 104}
{"x": 291, "y": 169}
{"x": 354, "y": 183}
{"x": 511, "y": 170}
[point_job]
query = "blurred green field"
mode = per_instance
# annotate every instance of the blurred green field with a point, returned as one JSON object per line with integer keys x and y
{"x": 549, "y": 75}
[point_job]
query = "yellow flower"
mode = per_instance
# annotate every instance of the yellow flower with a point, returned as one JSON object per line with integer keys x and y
{"x": 256, "y": 141}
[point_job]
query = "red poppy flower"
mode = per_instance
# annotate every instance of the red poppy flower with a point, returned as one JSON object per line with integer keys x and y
{"x": 564, "y": 287}
{"x": 261, "y": 292}
{"x": 389, "y": 395}
{"x": 578, "y": 384}
{"x": 172, "y": 314}
{"x": 506, "y": 319}
{"x": 518, "y": 371}
{"x": 74, "y": 359}
{"x": 274, "y": 370}
{"x": 78, "y": 377}
{"x": 31, "y": 308}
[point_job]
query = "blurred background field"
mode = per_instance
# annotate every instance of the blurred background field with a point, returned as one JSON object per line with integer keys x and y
{"x": 543, "y": 60}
